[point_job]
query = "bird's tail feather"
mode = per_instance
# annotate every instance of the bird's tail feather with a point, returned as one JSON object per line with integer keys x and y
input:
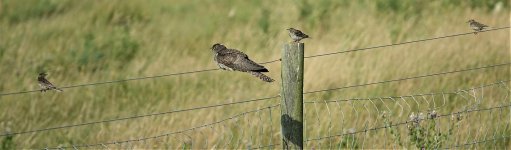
{"x": 262, "y": 76}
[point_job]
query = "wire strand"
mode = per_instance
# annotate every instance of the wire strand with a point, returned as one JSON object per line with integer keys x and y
{"x": 324, "y": 90}
{"x": 406, "y": 122}
{"x": 114, "y": 81}
{"x": 412, "y": 95}
{"x": 403, "y": 43}
{"x": 478, "y": 142}
{"x": 267, "y": 62}
{"x": 134, "y": 117}
{"x": 170, "y": 133}
{"x": 409, "y": 78}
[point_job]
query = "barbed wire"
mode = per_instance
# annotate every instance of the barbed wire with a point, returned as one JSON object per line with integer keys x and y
{"x": 409, "y": 78}
{"x": 124, "y": 80}
{"x": 408, "y": 121}
{"x": 167, "y": 134}
{"x": 135, "y": 117}
{"x": 113, "y": 81}
{"x": 403, "y": 43}
{"x": 412, "y": 95}
{"x": 267, "y": 62}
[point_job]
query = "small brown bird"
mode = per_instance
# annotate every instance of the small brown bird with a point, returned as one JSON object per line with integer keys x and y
{"x": 297, "y": 35}
{"x": 478, "y": 27}
{"x": 45, "y": 84}
{"x": 235, "y": 60}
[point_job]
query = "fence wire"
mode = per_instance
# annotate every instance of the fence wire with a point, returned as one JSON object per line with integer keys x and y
{"x": 414, "y": 77}
{"x": 135, "y": 117}
{"x": 468, "y": 145}
{"x": 229, "y": 137}
{"x": 403, "y": 43}
{"x": 415, "y": 120}
{"x": 478, "y": 114}
{"x": 259, "y": 99}
{"x": 374, "y": 115}
{"x": 267, "y": 62}
{"x": 455, "y": 92}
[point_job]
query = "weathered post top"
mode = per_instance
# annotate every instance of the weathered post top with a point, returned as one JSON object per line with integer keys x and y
{"x": 291, "y": 93}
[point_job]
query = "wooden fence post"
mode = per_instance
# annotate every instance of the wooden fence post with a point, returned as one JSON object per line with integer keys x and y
{"x": 291, "y": 104}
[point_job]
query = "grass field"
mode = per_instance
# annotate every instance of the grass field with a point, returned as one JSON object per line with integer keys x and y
{"x": 80, "y": 42}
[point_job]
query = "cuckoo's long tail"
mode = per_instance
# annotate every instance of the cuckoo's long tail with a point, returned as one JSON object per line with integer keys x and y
{"x": 262, "y": 76}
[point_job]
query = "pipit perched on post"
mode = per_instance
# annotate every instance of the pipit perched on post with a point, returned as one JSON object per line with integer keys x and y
{"x": 478, "y": 27}
{"x": 45, "y": 84}
{"x": 297, "y": 35}
{"x": 235, "y": 60}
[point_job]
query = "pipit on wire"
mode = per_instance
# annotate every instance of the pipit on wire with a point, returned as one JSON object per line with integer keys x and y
{"x": 476, "y": 26}
{"x": 235, "y": 60}
{"x": 45, "y": 84}
{"x": 297, "y": 35}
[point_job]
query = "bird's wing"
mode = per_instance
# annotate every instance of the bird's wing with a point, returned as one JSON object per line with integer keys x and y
{"x": 480, "y": 24}
{"x": 232, "y": 51}
{"x": 239, "y": 61}
{"x": 246, "y": 64}
{"x": 301, "y": 34}
{"x": 227, "y": 59}
{"x": 45, "y": 81}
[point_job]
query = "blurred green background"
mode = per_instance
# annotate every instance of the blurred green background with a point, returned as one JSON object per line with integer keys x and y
{"x": 80, "y": 42}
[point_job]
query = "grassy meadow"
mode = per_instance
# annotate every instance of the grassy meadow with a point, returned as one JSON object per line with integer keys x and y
{"x": 79, "y": 42}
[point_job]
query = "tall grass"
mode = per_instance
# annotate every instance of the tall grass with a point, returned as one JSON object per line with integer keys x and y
{"x": 88, "y": 41}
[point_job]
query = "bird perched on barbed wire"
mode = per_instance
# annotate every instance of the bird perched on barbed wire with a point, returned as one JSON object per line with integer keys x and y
{"x": 235, "y": 60}
{"x": 45, "y": 84}
{"x": 478, "y": 27}
{"x": 297, "y": 35}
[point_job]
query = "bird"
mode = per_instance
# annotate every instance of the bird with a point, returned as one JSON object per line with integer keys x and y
{"x": 235, "y": 60}
{"x": 478, "y": 27}
{"x": 297, "y": 35}
{"x": 45, "y": 84}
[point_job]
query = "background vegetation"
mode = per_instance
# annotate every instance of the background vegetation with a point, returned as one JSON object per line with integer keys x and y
{"x": 89, "y": 41}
